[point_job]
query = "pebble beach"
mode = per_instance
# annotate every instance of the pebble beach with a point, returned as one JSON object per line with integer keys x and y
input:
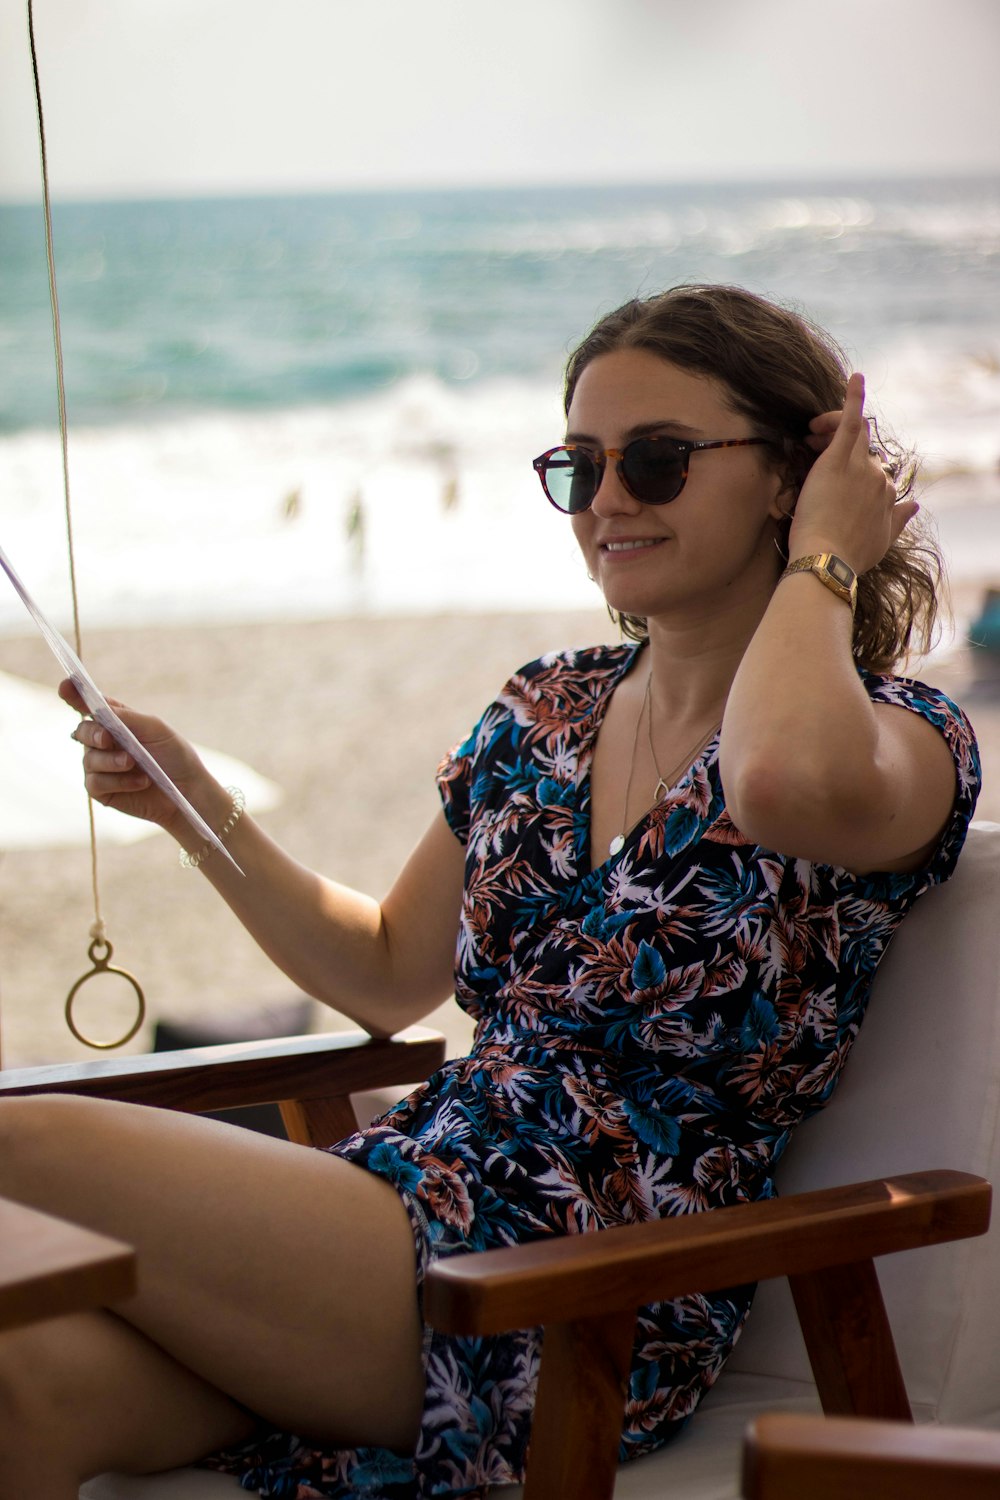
{"x": 349, "y": 718}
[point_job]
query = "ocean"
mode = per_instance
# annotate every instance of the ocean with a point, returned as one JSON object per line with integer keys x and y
{"x": 319, "y": 406}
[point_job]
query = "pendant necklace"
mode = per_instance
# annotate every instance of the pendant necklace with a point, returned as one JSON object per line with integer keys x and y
{"x": 618, "y": 842}
{"x": 663, "y": 783}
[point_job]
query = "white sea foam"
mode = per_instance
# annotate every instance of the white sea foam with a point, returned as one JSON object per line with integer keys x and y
{"x": 418, "y": 499}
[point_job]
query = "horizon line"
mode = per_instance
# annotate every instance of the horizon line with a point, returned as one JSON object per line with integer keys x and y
{"x": 841, "y": 177}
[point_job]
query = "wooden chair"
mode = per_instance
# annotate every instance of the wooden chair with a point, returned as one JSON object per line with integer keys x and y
{"x": 920, "y": 1099}
{"x": 586, "y": 1292}
{"x": 786, "y": 1457}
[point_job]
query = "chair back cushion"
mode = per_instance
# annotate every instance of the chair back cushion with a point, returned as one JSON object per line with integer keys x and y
{"x": 921, "y": 1090}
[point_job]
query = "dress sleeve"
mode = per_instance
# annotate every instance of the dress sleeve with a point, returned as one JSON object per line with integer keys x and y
{"x": 454, "y": 784}
{"x": 960, "y": 736}
{"x": 470, "y": 769}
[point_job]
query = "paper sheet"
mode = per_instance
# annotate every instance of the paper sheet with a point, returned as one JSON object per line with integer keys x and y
{"x": 101, "y": 711}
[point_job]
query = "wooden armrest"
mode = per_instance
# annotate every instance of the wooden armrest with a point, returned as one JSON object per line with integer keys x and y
{"x": 236, "y": 1074}
{"x": 585, "y": 1291}
{"x": 310, "y": 1077}
{"x": 49, "y": 1267}
{"x": 550, "y": 1280}
{"x": 826, "y": 1458}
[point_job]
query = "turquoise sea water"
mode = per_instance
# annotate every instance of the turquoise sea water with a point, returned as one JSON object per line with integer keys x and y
{"x": 305, "y": 390}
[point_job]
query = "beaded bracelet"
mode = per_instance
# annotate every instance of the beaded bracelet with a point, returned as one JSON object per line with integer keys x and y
{"x": 193, "y": 861}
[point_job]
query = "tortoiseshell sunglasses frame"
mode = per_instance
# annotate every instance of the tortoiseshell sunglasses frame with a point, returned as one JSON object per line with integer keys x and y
{"x": 601, "y": 456}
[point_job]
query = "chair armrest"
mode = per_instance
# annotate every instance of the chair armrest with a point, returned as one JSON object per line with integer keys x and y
{"x": 585, "y": 1291}
{"x": 49, "y": 1267}
{"x": 233, "y": 1075}
{"x": 618, "y": 1269}
{"x": 787, "y": 1456}
{"x": 310, "y": 1077}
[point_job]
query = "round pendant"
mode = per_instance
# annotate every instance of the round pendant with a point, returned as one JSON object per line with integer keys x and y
{"x": 617, "y": 844}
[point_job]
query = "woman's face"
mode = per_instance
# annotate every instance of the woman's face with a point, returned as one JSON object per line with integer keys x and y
{"x": 717, "y": 535}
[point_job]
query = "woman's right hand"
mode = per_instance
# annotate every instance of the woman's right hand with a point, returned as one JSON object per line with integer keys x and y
{"x": 113, "y": 778}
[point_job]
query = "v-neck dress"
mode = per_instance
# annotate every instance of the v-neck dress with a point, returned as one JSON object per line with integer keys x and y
{"x": 648, "y": 1033}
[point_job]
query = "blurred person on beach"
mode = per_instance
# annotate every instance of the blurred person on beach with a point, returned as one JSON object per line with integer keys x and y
{"x": 662, "y": 880}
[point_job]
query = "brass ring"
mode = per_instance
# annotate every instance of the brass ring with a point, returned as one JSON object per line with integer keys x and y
{"x": 103, "y": 965}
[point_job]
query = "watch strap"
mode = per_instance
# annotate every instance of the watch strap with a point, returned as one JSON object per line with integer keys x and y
{"x": 831, "y": 570}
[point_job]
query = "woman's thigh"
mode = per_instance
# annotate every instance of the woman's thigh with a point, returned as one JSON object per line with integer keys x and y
{"x": 283, "y": 1276}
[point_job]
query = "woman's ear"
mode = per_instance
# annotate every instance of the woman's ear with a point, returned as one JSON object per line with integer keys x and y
{"x": 791, "y": 470}
{"x": 781, "y": 511}
{"x": 783, "y": 503}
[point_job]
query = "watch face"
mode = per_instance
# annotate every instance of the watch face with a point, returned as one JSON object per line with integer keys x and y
{"x": 838, "y": 569}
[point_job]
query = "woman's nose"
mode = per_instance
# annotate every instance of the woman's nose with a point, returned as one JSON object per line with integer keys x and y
{"x": 612, "y": 498}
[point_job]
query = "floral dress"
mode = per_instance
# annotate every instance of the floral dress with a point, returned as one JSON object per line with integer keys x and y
{"x": 648, "y": 1033}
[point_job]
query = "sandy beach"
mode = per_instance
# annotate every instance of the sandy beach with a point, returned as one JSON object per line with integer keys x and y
{"x": 350, "y": 719}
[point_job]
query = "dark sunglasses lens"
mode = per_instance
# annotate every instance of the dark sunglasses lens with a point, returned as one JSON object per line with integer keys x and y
{"x": 571, "y": 479}
{"x": 654, "y": 470}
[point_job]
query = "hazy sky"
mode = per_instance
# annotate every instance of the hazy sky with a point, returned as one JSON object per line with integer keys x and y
{"x": 195, "y": 96}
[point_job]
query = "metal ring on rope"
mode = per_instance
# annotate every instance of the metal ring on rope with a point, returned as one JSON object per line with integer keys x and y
{"x": 103, "y": 965}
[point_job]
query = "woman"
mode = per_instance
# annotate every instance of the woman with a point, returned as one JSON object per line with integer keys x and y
{"x": 672, "y": 867}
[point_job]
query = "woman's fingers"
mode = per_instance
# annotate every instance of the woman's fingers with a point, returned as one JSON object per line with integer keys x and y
{"x": 848, "y": 503}
{"x": 108, "y": 770}
{"x": 68, "y": 693}
{"x": 903, "y": 512}
{"x": 93, "y": 736}
{"x": 852, "y": 428}
{"x": 112, "y": 776}
{"x": 848, "y": 420}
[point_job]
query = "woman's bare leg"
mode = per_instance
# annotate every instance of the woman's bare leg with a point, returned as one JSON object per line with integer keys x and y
{"x": 280, "y": 1276}
{"x": 100, "y": 1397}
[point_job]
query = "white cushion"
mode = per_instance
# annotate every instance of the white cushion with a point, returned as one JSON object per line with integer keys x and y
{"x": 921, "y": 1090}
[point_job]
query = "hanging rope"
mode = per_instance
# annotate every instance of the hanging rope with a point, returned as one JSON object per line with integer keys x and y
{"x": 100, "y": 949}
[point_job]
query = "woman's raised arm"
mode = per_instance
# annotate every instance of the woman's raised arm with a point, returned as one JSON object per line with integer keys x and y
{"x": 811, "y": 766}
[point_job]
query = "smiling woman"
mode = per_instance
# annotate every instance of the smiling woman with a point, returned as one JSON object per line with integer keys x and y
{"x": 661, "y": 881}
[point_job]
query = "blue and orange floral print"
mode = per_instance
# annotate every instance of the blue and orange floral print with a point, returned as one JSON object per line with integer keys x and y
{"x": 648, "y": 1033}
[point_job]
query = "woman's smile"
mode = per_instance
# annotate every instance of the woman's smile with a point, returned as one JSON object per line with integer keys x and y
{"x": 630, "y": 546}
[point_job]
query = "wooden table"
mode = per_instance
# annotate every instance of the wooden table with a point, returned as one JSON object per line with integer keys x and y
{"x": 49, "y": 1267}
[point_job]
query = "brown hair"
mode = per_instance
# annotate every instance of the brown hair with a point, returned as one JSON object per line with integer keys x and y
{"x": 780, "y": 370}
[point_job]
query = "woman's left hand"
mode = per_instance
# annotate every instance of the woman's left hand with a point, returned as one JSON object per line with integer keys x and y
{"x": 848, "y": 503}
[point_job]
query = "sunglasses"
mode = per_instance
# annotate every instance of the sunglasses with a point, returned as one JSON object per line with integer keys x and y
{"x": 652, "y": 469}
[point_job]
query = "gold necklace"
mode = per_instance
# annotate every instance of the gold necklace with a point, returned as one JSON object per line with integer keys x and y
{"x": 663, "y": 784}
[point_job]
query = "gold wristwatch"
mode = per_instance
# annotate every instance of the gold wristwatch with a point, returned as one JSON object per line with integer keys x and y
{"x": 831, "y": 570}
